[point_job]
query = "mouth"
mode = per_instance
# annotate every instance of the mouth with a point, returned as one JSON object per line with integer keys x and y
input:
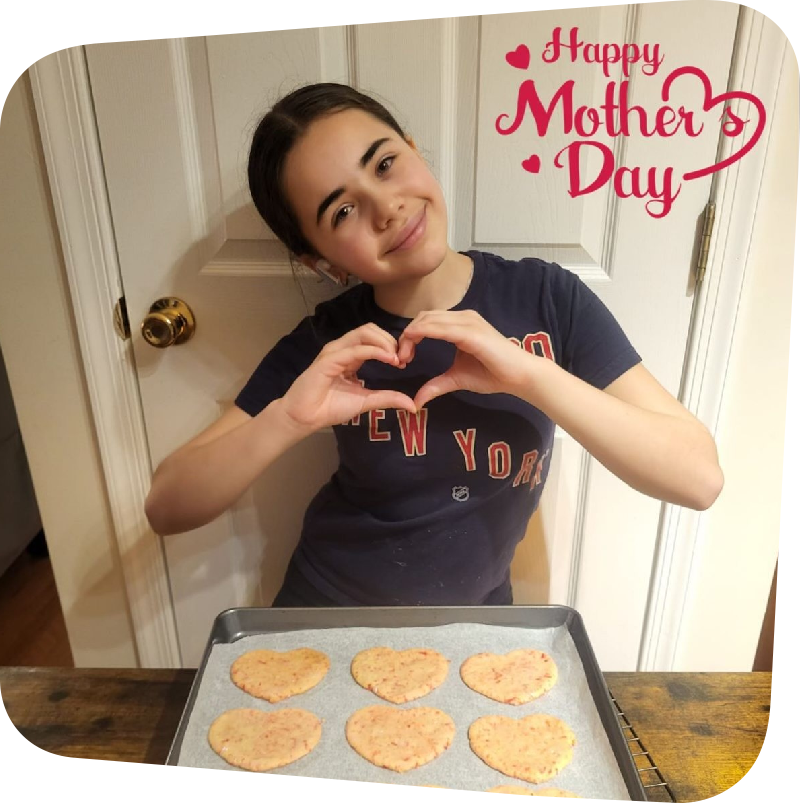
{"x": 411, "y": 232}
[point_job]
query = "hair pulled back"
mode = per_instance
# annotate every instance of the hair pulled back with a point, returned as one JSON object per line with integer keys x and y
{"x": 276, "y": 134}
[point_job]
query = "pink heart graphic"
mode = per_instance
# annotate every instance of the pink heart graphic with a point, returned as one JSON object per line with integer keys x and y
{"x": 519, "y": 58}
{"x": 532, "y": 163}
{"x": 709, "y": 101}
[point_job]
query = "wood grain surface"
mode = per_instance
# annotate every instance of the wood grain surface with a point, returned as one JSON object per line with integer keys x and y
{"x": 704, "y": 731}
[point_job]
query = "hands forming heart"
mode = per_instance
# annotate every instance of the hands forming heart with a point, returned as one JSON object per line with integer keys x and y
{"x": 485, "y": 362}
{"x": 329, "y": 391}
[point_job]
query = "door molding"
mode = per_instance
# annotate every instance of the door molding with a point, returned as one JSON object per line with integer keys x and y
{"x": 72, "y": 152}
{"x": 64, "y": 109}
{"x": 756, "y": 67}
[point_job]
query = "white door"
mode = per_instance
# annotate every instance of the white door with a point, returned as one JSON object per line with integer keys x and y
{"x": 174, "y": 119}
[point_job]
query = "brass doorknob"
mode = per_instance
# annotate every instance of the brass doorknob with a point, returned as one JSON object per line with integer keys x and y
{"x": 169, "y": 323}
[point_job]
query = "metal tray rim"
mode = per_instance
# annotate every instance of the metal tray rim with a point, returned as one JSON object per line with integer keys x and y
{"x": 569, "y": 616}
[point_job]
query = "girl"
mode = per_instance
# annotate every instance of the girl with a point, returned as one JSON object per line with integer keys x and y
{"x": 442, "y": 373}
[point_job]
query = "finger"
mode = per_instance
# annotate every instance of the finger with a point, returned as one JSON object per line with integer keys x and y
{"x": 453, "y": 330}
{"x": 349, "y": 360}
{"x": 416, "y": 331}
{"x": 424, "y": 325}
{"x": 369, "y": 334}
{"x": 433, "y": 388}
{"x": 383, "y": 399}
{"x": 406, "y": 350}
{"x": 453, "y": 327}
{"x": 464, "y": 317}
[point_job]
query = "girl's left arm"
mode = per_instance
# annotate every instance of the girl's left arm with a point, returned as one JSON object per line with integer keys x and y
{"x": 634, "y": 427}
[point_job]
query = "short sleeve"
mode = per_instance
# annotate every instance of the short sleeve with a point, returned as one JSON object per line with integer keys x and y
{"x": 594, "y": 346}
{"x": 275, "y": 374}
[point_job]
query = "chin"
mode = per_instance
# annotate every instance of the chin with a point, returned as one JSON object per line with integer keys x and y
{"x": 429, "y": 257}
{"x": 419, "y": 268}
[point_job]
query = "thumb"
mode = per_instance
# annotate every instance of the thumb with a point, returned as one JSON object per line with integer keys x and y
{"x": 438, "y": 386}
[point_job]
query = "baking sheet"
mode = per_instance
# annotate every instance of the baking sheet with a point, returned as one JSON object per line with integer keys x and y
{"x": 593, "y": 771}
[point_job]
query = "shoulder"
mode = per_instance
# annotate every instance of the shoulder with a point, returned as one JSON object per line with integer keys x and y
{"x": 295, "y": 351}
{"x": 525, "y": 280}
{"x": 330, "y": 320}
{"x": 526, "y": 269}
{"x": 339, "y": 315}
{"x": 494, "y": 263}
{"x": 585, "y": 337}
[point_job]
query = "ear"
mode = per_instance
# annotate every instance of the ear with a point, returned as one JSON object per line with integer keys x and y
{"x": 309, "y": 262}
{"x": 323, "y": 269}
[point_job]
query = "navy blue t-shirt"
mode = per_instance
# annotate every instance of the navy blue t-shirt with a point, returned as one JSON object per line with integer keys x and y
{"x": 428, "y": 509}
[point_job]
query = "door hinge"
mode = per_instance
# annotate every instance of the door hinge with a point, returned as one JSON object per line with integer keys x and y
{"x": 708, "y": 227}
{"x": 122, "y": 325}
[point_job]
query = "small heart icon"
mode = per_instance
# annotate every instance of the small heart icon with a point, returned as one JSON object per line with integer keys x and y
{"x": 519, "y": 58}
{"x": 532, "y": 163}
{"x": 709, "y": 101}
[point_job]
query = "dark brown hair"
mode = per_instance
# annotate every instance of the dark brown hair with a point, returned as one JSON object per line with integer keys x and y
{"x": 276, "y": 134}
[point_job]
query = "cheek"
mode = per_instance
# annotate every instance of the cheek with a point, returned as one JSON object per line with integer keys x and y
{"x": 436, "y": 190}
{"x": 431, "y": 189}
{"x": 423, "y": 177}
{"x": 354, "y": 243}
{"x": 354, "y": 236}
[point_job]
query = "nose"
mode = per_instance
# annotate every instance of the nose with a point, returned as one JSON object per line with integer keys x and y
{"x": 387, "y": 206}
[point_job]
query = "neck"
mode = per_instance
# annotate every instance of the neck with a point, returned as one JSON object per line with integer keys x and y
{"x": 441, "y": 289}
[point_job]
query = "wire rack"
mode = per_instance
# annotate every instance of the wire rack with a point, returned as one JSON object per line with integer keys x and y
{"x": 655, "y": 787}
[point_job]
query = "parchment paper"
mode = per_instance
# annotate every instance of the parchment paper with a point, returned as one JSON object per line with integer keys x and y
{"x": 593, "y": 771}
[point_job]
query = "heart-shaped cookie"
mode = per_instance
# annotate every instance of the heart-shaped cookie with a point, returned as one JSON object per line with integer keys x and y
{"x": 534, "y": 748}
{"x": 515, "y": 678}
{"x": 399, "y": 739}
{"x": 275, "y": 676}
{"x": 399, "y": 675}
{"x": 262, "y": 740}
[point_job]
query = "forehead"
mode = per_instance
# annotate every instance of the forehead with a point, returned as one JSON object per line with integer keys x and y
{"x": 342, "y": 131}
{"x": 329, "y": 151}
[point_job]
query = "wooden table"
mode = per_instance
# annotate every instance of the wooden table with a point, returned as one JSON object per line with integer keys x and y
{"x": 703, "y": 731}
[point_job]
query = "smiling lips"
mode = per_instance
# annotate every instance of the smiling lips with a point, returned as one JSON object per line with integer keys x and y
{"x": 411, "y": 232}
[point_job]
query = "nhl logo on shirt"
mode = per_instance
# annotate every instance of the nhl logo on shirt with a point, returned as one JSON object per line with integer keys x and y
{"x": 460, "y": 493}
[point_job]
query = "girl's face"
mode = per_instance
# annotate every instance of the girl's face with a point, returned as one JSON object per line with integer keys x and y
{"x": 366, "y": 200}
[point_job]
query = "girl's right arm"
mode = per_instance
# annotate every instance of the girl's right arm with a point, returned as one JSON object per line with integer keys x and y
{"x": 205, "y": 477}
{"x": 209, "y": 474}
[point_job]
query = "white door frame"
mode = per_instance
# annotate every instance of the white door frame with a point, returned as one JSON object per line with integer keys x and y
{"x": 62, "y": 95}
{"x": 757, "y": 66}
{"x": 72, "y": 152}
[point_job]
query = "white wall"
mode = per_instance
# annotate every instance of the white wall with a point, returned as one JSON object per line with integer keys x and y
{"x": 725, "y": 592}
{"x": 47, "y": 382}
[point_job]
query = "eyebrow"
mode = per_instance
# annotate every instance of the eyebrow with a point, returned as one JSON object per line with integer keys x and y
{"x": 363, "y": 161}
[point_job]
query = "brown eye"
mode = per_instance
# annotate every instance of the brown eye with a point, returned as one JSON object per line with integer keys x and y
{"x": 384, "y": 164}
{"x": 341, "y": 214}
